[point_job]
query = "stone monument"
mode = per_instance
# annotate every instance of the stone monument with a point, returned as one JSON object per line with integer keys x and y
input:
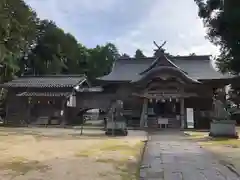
{"x": 222, "y": 125}
{"x": 116, "y": 123}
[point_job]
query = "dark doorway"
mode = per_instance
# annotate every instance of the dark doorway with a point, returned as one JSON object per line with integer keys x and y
{"x": 167, "y": 108}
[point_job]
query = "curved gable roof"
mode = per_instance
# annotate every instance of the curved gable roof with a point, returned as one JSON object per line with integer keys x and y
{"x": 167, "y": 70}
{"x": 161, "y": 61}
{"x": 131, "y": 69}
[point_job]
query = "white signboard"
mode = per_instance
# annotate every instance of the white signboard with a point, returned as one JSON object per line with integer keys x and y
{"x": 162, "y": 121}
{"x": 190, "y": 118}
{"x": 72, "y": 101}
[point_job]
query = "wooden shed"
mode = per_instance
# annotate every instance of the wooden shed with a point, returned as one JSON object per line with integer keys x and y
{"x": 41, "y": 99}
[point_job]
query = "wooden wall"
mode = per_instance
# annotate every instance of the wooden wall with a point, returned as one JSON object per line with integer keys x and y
{"x": 16, "y": 109}
{"x": 198, "y": 103}
{"x": 202, "y": 107}
{"x": 94, "y": 100}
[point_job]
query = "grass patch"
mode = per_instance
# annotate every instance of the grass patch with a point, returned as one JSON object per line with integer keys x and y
{"x": 233, "y": 143}
{"x": 123, "y": 155}
{"x": 107, "y": 146}
{"x": 21, "y": 166}
{"x": 203, "y": 139}
{"x": 122, "y": 147}
{"x": 195, "y": 135}
{"x": 126, "y": 169}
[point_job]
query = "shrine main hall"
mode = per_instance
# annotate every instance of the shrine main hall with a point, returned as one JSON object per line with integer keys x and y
{"x": 173, "y": 91}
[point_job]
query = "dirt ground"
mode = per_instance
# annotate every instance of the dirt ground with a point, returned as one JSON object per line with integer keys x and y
{"x": 60, "y": 154}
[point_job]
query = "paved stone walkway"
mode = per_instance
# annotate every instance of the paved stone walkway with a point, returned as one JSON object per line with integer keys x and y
{"x": 169, "y": 156}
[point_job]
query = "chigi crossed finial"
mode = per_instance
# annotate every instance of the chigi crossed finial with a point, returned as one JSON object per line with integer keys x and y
{"x": 159, "y": 51}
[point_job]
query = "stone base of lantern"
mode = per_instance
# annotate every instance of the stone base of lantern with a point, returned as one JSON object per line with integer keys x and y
{"x": 224, "y": 128}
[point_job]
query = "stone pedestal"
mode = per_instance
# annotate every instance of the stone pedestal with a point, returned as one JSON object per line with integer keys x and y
{"x": 224, "y": 128}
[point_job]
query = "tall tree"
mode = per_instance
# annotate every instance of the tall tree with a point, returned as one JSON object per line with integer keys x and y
{"x": 139, "y": 54}
{"x": 54, "y": 51}
{"x": 17, "y": 35}
{"x": 222, "y": 20}
{"x": 100, "y": 59}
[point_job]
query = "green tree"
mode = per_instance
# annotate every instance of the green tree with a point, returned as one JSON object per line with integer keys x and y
{"x": 17, "y": 35}
{"x": 100, "y": 59}
{"x": 222, "y": 19}
{"x": 51, "y": 50}
{"x": 139, "y": 54}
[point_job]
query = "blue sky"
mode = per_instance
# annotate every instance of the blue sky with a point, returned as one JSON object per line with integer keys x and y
{"x": 130, "y": 24}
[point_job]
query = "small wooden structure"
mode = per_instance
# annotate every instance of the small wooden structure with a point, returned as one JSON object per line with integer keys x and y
{"x": 42, "y": 99}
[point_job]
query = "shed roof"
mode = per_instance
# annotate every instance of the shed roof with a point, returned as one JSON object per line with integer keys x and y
{"x": 47, "y": 81}
{"x": 196, "y": 67}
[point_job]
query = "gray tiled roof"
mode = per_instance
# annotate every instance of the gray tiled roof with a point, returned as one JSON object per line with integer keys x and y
{"x": 50, "y": 81}
{"x": 128, "y": 69}
{"x": 44, "y": 94}
{"x": 196, "y": 67}
{"x": 199, "y": 69}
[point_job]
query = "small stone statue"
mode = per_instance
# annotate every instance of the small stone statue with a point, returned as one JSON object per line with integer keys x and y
{"x": 116, "y": 124}
{"x": 116, "y": 111}
{"x": 219, "y": 110}
{"x": 222, "y": 124}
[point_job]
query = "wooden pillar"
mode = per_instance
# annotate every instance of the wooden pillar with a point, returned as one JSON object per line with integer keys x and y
{"x": 7, "y": 112}
{"x": 63, "y": 121}
{"x": 182, "y": 113}
{"x": 29, "y": 107}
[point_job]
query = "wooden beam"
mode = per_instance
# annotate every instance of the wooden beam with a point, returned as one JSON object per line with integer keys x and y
{"x": 166, "y": 96}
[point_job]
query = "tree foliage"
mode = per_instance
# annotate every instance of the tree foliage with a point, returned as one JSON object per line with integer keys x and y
{"x": 139, "y": 54}
{"x": 222, "y": 20}
{"x": 17, "y": 34}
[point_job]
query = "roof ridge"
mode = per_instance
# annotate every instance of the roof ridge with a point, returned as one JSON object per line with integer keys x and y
{"x": 52, "y": 75}
{"x": 198, "y": 57}
{"x": 134, "y": 58}
{"x": 193, "y": 57}
{"x": 158, "y": 60}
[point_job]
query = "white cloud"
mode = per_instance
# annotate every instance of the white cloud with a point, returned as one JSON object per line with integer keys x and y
{"x": 174, "y": 21}
{"x": 66, "y": 13}
{"x": 130, "y": 24}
